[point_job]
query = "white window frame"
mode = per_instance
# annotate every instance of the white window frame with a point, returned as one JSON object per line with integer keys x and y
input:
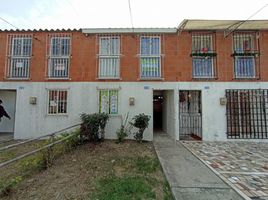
{"x": 57, "y": 106}
{"x": 212, "y": 68}
{"x": 240, "y": 42}
{"x": 244, "y": 77}
{"x": 63, "y": 60}
{"x": 199, "y": 37}
{"x": 112, "y": 69}
{"x": 150, "y": 55}
{"x": 24, "y": 61}
{"x": 109, "y": 103}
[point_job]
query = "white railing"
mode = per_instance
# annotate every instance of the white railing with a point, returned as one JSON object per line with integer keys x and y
{"x": 150, "y": 66}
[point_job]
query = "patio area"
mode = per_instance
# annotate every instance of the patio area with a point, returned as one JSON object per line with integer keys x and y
{"x": 243, "y": 165}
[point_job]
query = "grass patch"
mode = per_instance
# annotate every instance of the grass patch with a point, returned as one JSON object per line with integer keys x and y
{"x": 147, "y": 164}
{"x": 123, "y": 188}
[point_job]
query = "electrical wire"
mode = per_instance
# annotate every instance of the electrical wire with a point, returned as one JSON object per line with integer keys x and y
{"x": 4, "y": 20}
{"x": 130, "y": 14}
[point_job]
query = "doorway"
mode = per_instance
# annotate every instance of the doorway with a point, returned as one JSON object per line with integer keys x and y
{"x": 190, "y": 115}
{"x": 158, "y": 100}
{"x": 9, "y": 103}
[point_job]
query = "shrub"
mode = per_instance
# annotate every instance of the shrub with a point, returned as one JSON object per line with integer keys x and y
{"x": 124, "y": 130}
{"x": 93, "y": 126}
{"x": 141, "y": 121}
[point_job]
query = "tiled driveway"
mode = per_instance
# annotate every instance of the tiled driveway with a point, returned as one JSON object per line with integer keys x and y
{"x": 243, "y": 165}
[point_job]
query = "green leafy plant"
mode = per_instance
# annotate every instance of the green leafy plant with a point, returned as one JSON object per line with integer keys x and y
{"x": 141, "y": 122}
{"x": 7, "y": 187}
{"x": 93, "y": 126}
{"x": 124, "y": 130}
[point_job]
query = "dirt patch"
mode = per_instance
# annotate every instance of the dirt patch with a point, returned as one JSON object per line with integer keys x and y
{"x": 75, "y": 174}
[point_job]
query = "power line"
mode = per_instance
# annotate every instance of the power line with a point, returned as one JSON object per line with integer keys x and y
{"x": 8, "y": 23}
{"x": 130, "y": 13}
{"x": 238, "y": 24}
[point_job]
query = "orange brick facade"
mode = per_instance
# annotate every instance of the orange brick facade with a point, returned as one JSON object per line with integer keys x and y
{"x": 175, "y": 50}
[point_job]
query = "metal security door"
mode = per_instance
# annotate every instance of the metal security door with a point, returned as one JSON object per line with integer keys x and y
{"x": 190, "y": 115}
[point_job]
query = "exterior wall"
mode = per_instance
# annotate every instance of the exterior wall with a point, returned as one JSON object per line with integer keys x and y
{"x": 175, "y": 49}
{"x": 32, "y": 120}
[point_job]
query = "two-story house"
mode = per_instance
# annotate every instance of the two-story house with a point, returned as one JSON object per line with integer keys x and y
{"x": 206, "y": 79}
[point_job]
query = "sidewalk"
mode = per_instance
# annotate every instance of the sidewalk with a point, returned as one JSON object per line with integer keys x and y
{"x": 188, "y": 177}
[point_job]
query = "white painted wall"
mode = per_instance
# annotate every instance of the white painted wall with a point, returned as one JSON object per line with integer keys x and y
{"x": 32, "y": 120}
{"x": 9, "y": 103}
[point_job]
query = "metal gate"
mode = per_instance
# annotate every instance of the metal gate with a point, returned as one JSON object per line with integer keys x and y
{"x": 247, "y": 114}
{"x": 190, "y": 114}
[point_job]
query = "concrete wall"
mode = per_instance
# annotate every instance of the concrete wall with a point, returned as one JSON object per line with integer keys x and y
{"x": 9, "y": 104}
{"x": 32, "y": 120}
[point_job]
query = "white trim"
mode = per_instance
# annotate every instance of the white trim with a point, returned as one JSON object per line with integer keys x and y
{"x": 128, "y": 30}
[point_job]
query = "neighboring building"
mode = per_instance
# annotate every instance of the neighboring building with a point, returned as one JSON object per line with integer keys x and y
{"x": 206, "y": 79}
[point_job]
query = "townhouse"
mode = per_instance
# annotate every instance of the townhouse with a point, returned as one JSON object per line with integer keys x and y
{"x": 206, "y": 79}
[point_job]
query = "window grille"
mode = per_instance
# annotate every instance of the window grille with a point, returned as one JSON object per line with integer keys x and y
{"x": 19, "y": 56}
{"x": 109, "y": 56}
{"x": 247, "y": 114}
{"x": 245, "y": 52}
{"x": 57, "y": 101}
{"x": 59, "y": 52}
{"x": 150, "y": 56}
{"x": 203, "y": 56}
{"x": 108, "y": 101}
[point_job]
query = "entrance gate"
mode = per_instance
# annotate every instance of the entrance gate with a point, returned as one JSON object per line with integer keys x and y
{"x": 190, "y": 115}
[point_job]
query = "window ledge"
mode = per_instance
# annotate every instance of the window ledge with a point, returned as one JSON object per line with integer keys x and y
{"x": 17, "y": 79}
{"x": 151, "y": 79}
{"x": 204, "y": 78}
{"x": 246, "y": 78}
{"x": 57, "y": 115}
{"x": 58, "y": 78}
{"x": 109, "y": 78}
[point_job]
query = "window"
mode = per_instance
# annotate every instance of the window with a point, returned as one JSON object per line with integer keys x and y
{"x": 108, "y": 101}
{"x": 57, "y": 101}
{"x": 109, "y": 56}
{"x": 203, "y": 56}
{"x": 19, "y": 55}
{"x": 244, "y": 55}
{"x": 150, "y": 57}
{"x": 202, "y": 67}
{"x": 59, "y": 56}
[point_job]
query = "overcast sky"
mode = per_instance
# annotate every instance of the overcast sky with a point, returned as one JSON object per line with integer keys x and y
{"x": 29, "y": 14}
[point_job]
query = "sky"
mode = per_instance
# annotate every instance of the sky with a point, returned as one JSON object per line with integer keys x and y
{"x": 57, "y": 14}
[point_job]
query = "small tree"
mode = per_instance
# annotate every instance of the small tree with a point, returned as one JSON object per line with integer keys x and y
{"x": 141, "y": 121}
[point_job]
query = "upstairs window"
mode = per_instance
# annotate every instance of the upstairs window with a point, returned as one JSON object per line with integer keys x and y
{"x": 19, "y": 56}
{"x": 150, "y": 57}
{"x": 203, "y": 56}
{"x": 244, "y": 53}
{"x": 109, "y": 56}
{"x": 59, "y": 55}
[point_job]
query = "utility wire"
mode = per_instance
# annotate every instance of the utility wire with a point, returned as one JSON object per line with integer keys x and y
{"x": 130, "y": 14}
{"x": 8, "y": 23}
{"x": 242, "y": 22}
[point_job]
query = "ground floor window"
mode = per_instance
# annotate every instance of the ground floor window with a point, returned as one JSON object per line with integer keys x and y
{"x": 57, "y": 101}
{"x": 247, "y": 114}
{"x": 108, "y": 101}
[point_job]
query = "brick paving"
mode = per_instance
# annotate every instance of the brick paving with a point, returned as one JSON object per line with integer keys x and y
{"x": 242, "y": 164}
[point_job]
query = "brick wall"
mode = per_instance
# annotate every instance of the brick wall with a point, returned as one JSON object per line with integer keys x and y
{"x": 176, "y": 60}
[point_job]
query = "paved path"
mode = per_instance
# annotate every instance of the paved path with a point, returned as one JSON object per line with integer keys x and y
{"x": 188, "y": 177}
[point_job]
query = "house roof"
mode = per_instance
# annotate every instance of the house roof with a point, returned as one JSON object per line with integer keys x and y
{"x": 197, "y": 24}
{"x": 128, "y": 30}
{"x": 40, "y": 30}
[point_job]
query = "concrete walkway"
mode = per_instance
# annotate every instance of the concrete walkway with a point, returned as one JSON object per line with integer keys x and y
{"x": 188, "y": 177}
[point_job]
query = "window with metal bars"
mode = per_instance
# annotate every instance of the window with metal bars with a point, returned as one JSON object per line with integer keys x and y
{"x": 108, "y": 101}
{"x": 19, "y": 56}
{"x": 109, "y": 56}
{"x": 59, "y": 55}
{"x": 150, "y": 56}
{"x": 203, "y": 56}
{"x": 244, "y": 53}
{"x": 57, "y": 102}
{"x": 247, "y": 114}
